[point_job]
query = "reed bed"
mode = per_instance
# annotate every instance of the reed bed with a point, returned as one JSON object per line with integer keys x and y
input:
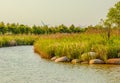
{"x": 15, "y": 40}
{"x": 75, "y": 45}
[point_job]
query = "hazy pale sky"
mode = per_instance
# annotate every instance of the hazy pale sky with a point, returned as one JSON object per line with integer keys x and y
{"x": 54, "y": 12}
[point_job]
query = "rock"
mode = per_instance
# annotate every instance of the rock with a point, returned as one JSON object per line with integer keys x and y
{"x": 75, "y": 61}
{"x": 54, "y": 58}
{"x": 85, "y": 57}
{"x": 96, "y": 61}
{"x": 62, "y": 59}
{"x": 85, "y": 62}
{"x": 113, "y": 61}
{"x": 88, "y": 56}
{"x": 13, "y": 43}
{"x": 92, "y": 55}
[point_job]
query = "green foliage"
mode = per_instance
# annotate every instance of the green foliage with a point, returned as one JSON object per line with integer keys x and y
{"x": 11, "y": 40}
{"x": 75, "y": 45}
{"x": 25, "y": 29}
{"x": 114, "y": 14}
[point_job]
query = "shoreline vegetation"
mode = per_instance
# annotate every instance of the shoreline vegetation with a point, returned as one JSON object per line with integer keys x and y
{"x": 17, "y": 40}
{"x": 84, "y": 48}
{"x": 92, "y": 44}
{"x": 79, "y": 48}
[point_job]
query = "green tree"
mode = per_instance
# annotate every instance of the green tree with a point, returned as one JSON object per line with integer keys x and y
{"x": 3, "y": 28}
{"x": 72, "y": 28}
{"x": 63, "y": 29}
{"x": 114, "y": 14}
{"x": 12, "y": 28}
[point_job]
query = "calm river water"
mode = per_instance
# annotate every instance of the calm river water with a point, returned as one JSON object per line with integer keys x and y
{"x": 21, "y": 65}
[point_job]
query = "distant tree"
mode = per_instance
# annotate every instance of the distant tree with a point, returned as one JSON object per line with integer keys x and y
{"x": 63, "y": 29}
{"x": 38, "y": 30}
{"x": 35, "y": 29}
{"x": 22, "y": 29}
{"x": 51, "y": 30}
{"x": 27, "y": 29}
{"x": 12, "y": 28}
{"x": 72, "y": 28}
{"x": 3, "y": 29}
{"x": 78, "y": 30}
{"x": 45, "y": 29}
{"x": 16, "y": 28}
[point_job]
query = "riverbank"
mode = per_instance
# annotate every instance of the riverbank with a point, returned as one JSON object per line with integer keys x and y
{"x": 19, "y": 64}
{"x": 75, "y": 48}
{"x": 16, "y": 40}
{"x": 80, "y": 48}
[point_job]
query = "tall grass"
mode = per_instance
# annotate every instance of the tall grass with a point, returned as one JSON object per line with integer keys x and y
{"x": 74, "y": 45}
{"x": 71, "y": 45}
{"x": 12, "y": 40}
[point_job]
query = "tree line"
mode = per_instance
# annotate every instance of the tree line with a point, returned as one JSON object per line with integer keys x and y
{"x": 15, "y": 28}
{"x": 112, "y": 21}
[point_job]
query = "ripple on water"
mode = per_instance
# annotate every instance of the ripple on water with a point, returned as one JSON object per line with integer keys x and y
{"x": 21, "y": 65}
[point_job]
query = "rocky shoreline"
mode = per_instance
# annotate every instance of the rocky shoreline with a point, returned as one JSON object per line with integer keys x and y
{"x": 115, "y": 61}
{"x": 87, "y": 58}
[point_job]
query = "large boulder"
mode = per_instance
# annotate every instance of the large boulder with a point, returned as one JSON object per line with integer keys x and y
{"x": 54, "y": 58}
{"x": 62, "y": 59}
{"x": 96, "y": 61}
{"x": 113, "y": 61}
{"x": 74, "y": 61}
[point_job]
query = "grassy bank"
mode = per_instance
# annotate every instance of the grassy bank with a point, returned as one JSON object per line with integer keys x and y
{"x": 75, "y": 45}
{"x": 15, "y": 40}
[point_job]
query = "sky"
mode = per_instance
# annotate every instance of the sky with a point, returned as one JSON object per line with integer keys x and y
{"x": 55, "y": 12}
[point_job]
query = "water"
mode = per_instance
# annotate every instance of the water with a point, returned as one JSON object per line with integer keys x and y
{"x": 21, "y": 65}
